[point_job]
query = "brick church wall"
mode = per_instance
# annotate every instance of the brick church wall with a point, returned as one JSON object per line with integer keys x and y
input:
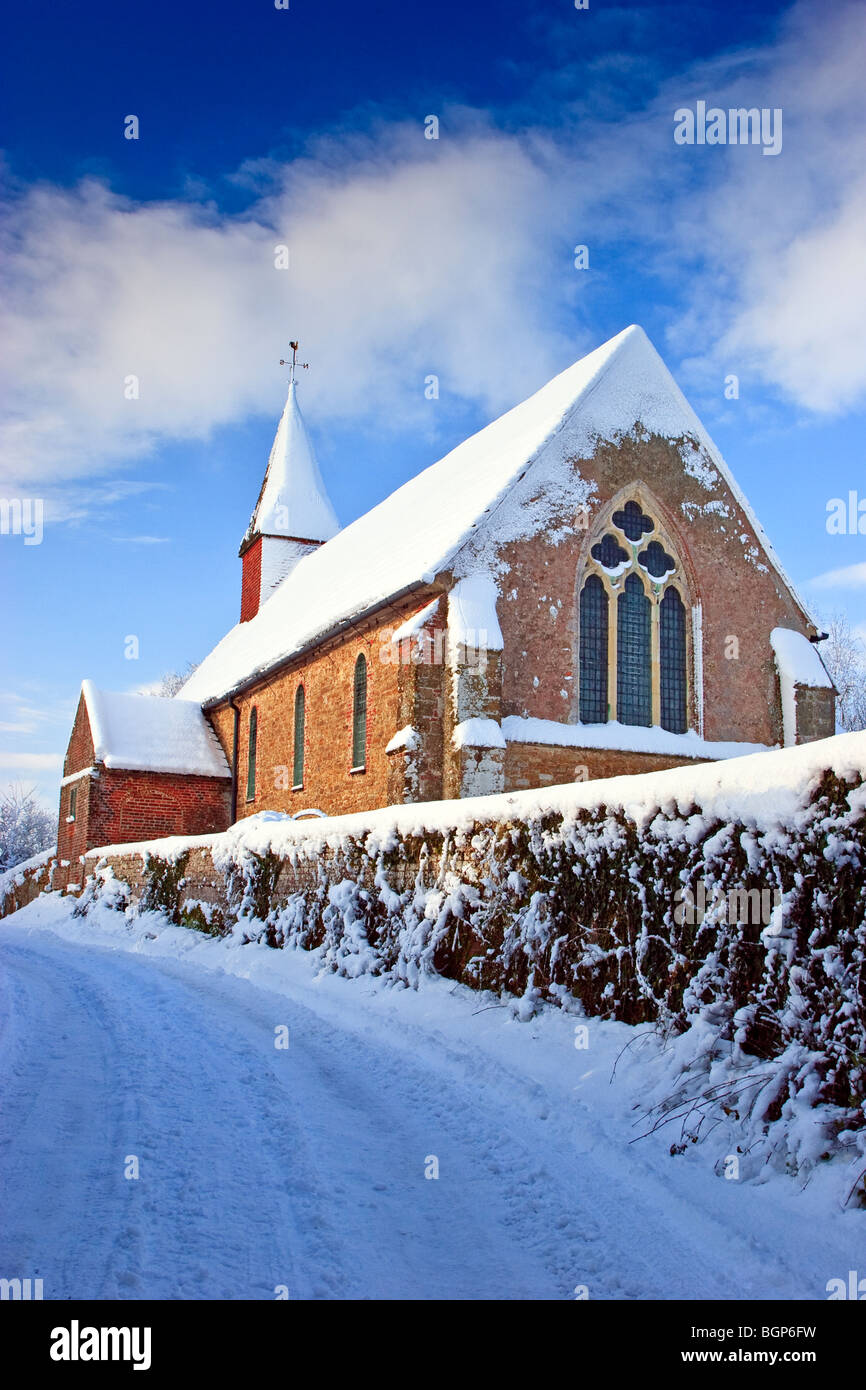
{"x": 399, "y": 692}
{"x": 118, "y": 806}
{"x": 741, "y": 597}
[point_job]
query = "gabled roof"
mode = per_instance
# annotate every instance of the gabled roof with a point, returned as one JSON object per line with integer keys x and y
{"x": 444, "y": 518}
{"x": 293, "y": 500}
{"x": 147, "y": 733}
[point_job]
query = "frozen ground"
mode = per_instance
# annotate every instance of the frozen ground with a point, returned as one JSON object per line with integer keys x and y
{"x": 305, "y": 1167}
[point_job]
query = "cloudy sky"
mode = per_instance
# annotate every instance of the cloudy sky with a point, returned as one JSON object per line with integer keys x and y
{"x": 305, "y": 128}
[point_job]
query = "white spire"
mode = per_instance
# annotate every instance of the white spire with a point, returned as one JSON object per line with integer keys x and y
{"x": 293, "y": 502}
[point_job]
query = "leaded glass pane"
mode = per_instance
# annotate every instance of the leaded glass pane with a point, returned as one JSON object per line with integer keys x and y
{"x": 593, "y": 652}
{"x": 672, "y": 643}
{"x": 633, "y": 522}
{"x": 656, "y": 560}
{"x": 609, "y": 553}
{"x": 633, "y": 655}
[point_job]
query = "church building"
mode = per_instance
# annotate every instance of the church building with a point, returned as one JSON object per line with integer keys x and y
{"x": 579, "y": 590}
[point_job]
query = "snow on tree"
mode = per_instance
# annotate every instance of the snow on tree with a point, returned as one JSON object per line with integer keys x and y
{"x": 26, "y": 828}
{"x": 172, "y": 681}
{"x": 844, "y": 655}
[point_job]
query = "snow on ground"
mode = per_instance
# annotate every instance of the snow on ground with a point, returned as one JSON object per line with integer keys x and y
{"x": 305, "y": 1167}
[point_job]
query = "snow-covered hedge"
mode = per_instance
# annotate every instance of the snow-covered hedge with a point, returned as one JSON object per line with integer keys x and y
{"x": 725, "y": 905}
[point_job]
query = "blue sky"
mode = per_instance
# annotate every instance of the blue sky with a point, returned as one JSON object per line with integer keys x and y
{"x": 305, "y": 128}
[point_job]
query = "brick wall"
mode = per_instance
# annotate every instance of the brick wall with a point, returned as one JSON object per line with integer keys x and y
{"x": 398, "y": 693}
{"x": 740, "y": 594}
{"x": 116, "y": 806}
{"x": 541, "y": 765}
{"x": 251, "y": 580}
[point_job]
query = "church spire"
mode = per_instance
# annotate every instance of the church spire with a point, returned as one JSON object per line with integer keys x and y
{"x": 293, "y": 514}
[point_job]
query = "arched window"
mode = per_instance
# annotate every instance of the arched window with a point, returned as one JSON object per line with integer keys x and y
{"x": 633, "y": 655}
{"x": 672, "y": 659}
{"x": 593, "y": 652}
{"x": 298, "y": 758}
{"x": 359, "y": 715}
{"x": 634, "y": 669}
{"x": 251, "y": 755}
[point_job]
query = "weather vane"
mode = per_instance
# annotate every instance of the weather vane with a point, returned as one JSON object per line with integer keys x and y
{"x": 284, "y": 362}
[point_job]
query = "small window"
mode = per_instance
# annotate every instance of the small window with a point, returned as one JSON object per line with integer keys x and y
{"x": 359, "y": 716}
{"x": 73, "y": 802}
{"x": 298, "y": 761}
{"x": 633, "y": 664}
{"x": 251, "y": 756}
{"x": 672, "y": 642}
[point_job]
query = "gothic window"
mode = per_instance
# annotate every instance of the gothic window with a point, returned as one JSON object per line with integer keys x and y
{"x": 359, "y": 715}
{"x": 633, "y": 661}
{"x": 73, "y": 802}
{"x": 593, "y": 652}
{"x": 672, "y": 658}
{"x": 298, "y": 750}
{"x": 633, "y": 655}
{"x": 609, "y": 553}
{"x": 251, "y": 756}
{"x": 632, "y": 522}
{"x": 656, "y": 561}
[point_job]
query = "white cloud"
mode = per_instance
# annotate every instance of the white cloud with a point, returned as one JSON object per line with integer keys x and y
{"x": 410, "y": 257}
{"x": 30, "y": 762}
{"x": 849, "y": 577}
{"x": 407, "y": 257}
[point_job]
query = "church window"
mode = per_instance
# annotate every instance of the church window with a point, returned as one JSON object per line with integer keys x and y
{"x": 633, "y": 655}
{"x": 632, "y": 522}
{"x": 298, "y": 751}
{"x": 672, "y": 656}
{"x": 593, "y": 652}
{"x": 251, "y": 755}
{"x": 633, "y": 658}
{"x": 359, "y": 715}
{"x": 73, "y": 802}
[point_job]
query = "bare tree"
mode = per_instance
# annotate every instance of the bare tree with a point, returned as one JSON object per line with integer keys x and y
{"x": 844, "y": 655}
{"x": 172, "y": 681}
{"x": 26, "y": 828}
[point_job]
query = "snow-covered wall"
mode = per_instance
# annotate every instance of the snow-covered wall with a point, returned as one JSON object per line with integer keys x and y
{"x": 725, "y": 903}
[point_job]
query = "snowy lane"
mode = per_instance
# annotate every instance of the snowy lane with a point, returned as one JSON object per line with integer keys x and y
{"x": 304, "y": 1167}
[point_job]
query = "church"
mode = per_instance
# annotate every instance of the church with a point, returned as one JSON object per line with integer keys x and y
{"x": 579, "y": 590}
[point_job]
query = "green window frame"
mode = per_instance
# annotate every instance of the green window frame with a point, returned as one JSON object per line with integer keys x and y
{"x": 251, "y": 754}
{"x": 359, "y": 715}
{"x": 298, "y": 746}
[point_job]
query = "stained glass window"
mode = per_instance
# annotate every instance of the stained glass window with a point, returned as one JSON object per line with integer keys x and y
{"x": 672, "y": 640}
{"x": 633, "y": 655}
{"x": 359, "y": 714}
{"x": 298, "y": 761}
{"x": 593, "y": 652}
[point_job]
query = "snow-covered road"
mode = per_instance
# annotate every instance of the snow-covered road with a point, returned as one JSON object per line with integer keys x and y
{"x": 304, "y": 1166}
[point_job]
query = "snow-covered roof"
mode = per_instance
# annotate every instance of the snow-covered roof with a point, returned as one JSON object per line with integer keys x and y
{"x": 438, "y": 520}
{"x": 293, "y": 500}
{"x": 798, "y": 663}
{"x": 147, "y": 733}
